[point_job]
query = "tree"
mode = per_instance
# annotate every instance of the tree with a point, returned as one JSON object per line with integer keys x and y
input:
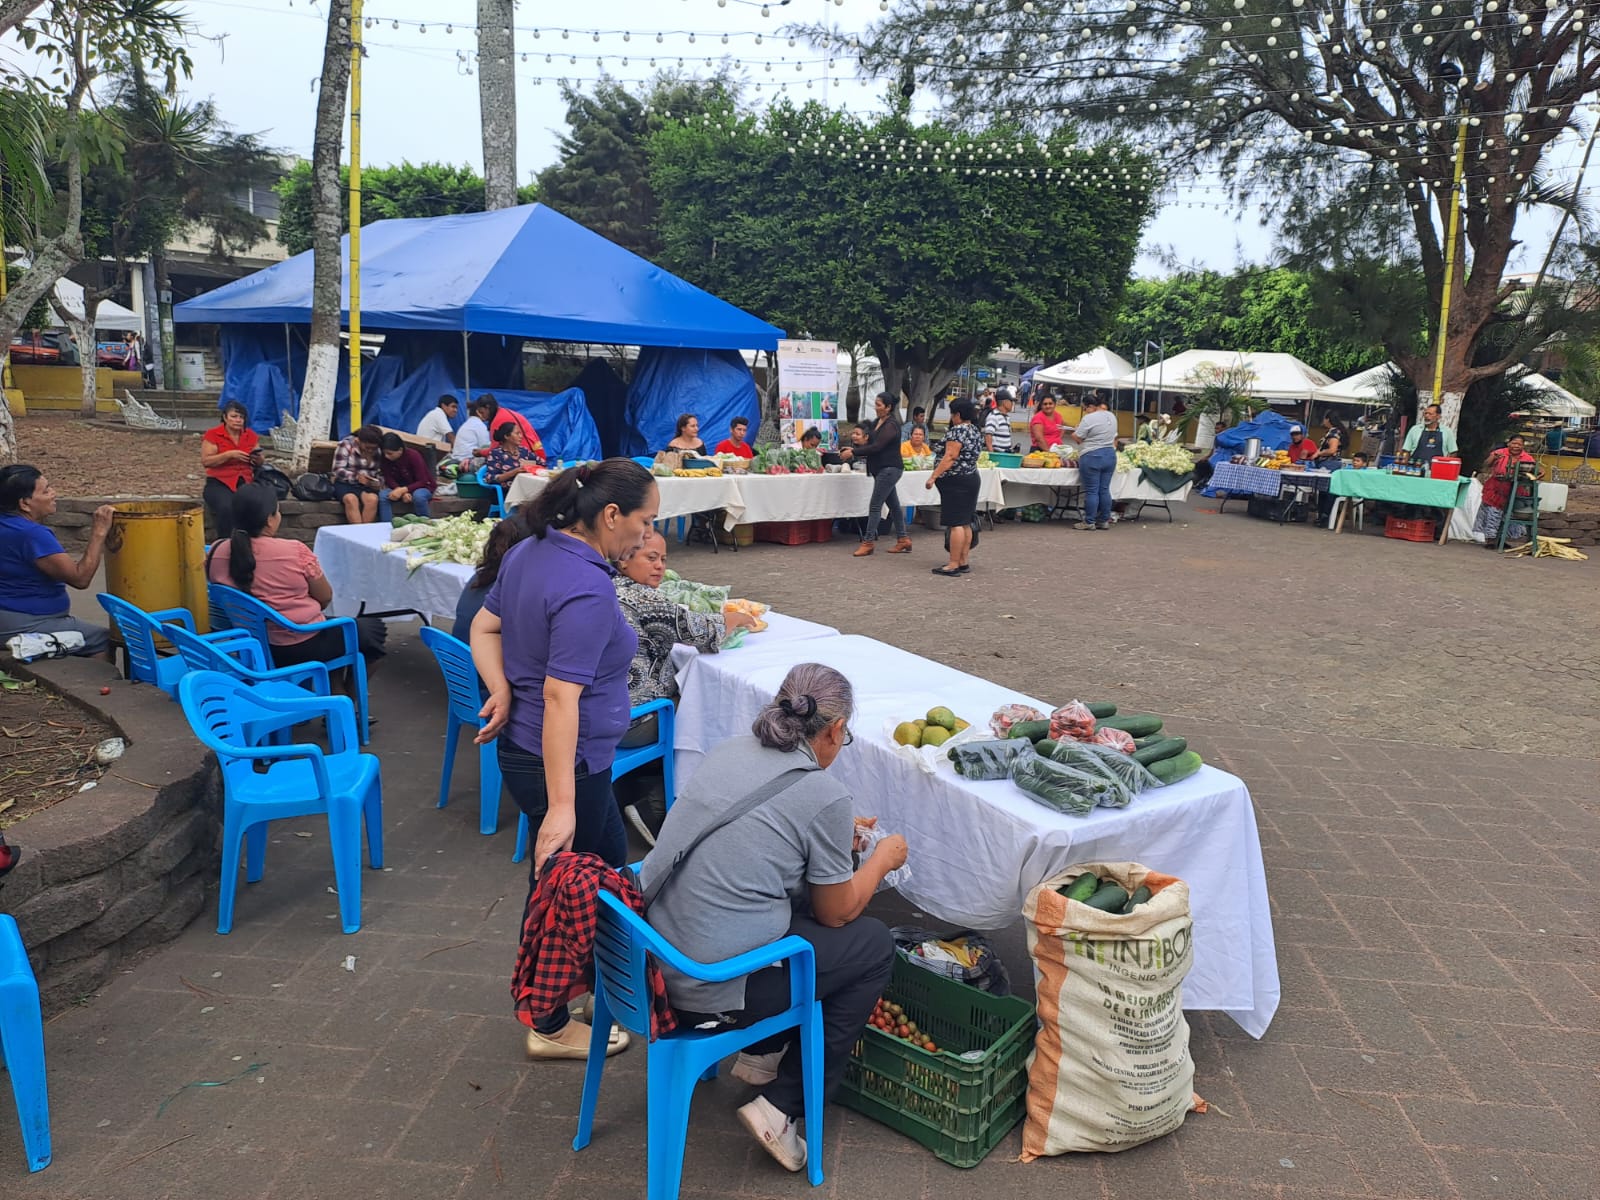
{"x": 1253, "y": 310}
{"x": 921, "y": 241}
{"x": 327, "y": 221}
{"x": 406, "y": 190}
{"x": 74, "y": 40}
{"x": 497, "y": 100}
{"x": 1346, "y": 112}
{"x": 601, "y": 177}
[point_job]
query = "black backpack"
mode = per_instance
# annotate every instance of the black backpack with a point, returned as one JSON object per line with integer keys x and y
{"x": 275, "y": 479}
{"x": 313, "y": 488}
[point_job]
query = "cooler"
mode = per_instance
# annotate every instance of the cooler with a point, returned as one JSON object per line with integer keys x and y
{"x": 1445, "y": 466}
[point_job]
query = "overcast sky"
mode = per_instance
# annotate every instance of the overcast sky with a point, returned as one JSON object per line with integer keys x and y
{"x": 259, "y": 59}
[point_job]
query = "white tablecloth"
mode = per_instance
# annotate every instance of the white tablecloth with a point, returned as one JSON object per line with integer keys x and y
{"x": 1038, "y": 485}
{"x": 361, "y": 574}
{"x": 679, "y": 497}
{"x": 977, "y": 848}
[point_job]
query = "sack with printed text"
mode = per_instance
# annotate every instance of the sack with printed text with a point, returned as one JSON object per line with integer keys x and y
{"x": 1110, "y": 1067}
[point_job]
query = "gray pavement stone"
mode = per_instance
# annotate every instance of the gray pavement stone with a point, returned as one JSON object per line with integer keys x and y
{"x": 1420, "y": 743}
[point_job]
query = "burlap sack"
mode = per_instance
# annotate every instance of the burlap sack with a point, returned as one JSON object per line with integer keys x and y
{"x": 1110, "y": 1066}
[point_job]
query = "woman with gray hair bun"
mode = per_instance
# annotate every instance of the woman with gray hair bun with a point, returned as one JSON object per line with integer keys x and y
{"x": 757, "y": 845}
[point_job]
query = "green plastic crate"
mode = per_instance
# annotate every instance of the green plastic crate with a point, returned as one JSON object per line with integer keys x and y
{"x": 958, "y": 1108}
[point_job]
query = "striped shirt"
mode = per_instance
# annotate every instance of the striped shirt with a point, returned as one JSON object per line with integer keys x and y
{"x": 998, "y": 427}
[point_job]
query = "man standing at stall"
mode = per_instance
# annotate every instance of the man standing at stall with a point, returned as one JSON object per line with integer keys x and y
{"x": 1430, "y": 439}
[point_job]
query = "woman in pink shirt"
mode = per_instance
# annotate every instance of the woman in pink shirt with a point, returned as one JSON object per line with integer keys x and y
{"x": 283, "y": 574}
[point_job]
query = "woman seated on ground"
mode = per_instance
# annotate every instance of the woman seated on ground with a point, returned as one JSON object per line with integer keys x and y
{"x": 406, "y": 478}
{"x": 285, "y": 575}
{"x": 35, "y": 572}
{"x": 784, "y": 867}
{"x": 1497, "y": 473}
{"x": 661, "y": 625}
{"x": 916, "y": 443}
{"x": 511, "y": 455}
{"x": 687, "y": 440}
{"x": 230, "y": 452}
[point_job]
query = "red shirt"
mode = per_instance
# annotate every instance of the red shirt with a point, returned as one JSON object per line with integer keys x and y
{"x": 530, "y": 439}
{"x": 1302, "y": 450}
{"x": 1046, "y": 430}
{"x": 729, "y": 446}
{"x": 232, "y": 473}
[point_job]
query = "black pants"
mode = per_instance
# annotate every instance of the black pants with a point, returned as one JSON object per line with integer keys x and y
{"x": 218, "y": 499}
{"x": 371, "y": 633}
{"x": 853, "y": 965}
{"x": 599, "y": 828}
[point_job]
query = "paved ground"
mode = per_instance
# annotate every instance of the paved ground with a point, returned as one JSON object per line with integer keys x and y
{"x": 1416, "y": 725}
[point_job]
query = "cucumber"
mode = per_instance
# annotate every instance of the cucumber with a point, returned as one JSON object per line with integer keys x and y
{"x": 1170, "y": 770}
{"x": 1141, "y": 743}
{"x": 1046, "y": 747}
{"x": 1032, "y": 730}
{"x": 1159, "y": 749}
{"x": 1139, "y": 724}
{"x": 1082, "y": 887}
{"x": 1140, "y": 895}
{"x": 1108, "y": 897}
{"x": 1101, "y": 711}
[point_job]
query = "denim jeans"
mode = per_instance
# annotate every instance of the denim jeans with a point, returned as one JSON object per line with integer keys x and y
{"x": 1094, "y": 473}
{"x": 419, "y": 504}
{"x": 599, "y": 829}
{"x": 884, "y": 484}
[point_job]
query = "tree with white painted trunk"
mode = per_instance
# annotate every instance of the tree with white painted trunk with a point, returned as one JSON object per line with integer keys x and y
{"x": 497, "y": 101}
{"x": 327, "y": 256}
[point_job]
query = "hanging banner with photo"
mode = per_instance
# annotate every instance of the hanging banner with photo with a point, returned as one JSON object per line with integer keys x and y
{"x": 808, "y": 391}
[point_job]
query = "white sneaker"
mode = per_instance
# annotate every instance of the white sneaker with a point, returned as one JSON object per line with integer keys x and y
{"x": 776, "y": 1132}
{"x": 757, "y": 1070}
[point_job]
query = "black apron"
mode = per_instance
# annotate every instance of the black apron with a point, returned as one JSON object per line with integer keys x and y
{"x": 1429, "y": 446}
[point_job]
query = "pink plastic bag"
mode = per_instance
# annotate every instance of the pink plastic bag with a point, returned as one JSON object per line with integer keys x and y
{"x": 1117, "y": 739}
{"x": 1072, "y": 722}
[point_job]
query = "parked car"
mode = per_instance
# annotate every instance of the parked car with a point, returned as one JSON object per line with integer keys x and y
{"x": 44, "y": 347}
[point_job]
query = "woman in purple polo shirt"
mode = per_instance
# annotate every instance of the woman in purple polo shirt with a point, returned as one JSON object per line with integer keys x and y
{"x": 553, "y": 648}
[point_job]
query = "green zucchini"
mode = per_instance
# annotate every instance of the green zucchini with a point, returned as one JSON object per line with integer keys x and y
{"x": 1046, "y": 747}
{"x": 1108, "y": 897}
{"x": 1170, "y": 770}
{"x": 1140, "y": 895}
{"x": 1141, "y": 743}
{"x": 1101, "y": 711}
{"x": 1169, "y": 747}
{"x": 1138, "y": 724}
{"x": 1032, "y": 730}
{"x": 1082, "y": 887}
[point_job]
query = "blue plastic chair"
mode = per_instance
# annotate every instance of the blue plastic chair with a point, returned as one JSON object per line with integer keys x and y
{"x": 139, "y": 630}
{"x": 264, "y": 783}
{"x": 465, "y": 691}
{"x": 675, "y": 1063}
{"x": 22, "y": 1044}
{"x": 497, "y": 507}
{"x": 244, "y": 611}
{"x": 627, "y": 760}
{"x": 244, "y": 661}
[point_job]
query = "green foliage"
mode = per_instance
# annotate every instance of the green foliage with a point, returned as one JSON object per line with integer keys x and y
{"x": 403, "y": 190}
{"x": 602, "y": 176}
{"x": 1276, "y": 310}
{"x": 925, "y": 260}
{"x": 24, "y": 190}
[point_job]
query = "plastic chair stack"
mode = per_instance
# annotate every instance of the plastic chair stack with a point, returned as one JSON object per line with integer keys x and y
{"x": 264, "y": 782}
{"x": 139, "y": 630}
{"x": 22, "y": 1044}
{"x": 244, "y": 611}
{"x": 627, "y": 760}
{"x": 675, "y": 1063}
{"x": 465, "y": 692}
{"x": 244, "y": 661}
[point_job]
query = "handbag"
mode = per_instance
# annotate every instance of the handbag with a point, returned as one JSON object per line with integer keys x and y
{"x": 748, "y": 805}
{"x": 275, "y": 479}
{"x": 312, "y": 488}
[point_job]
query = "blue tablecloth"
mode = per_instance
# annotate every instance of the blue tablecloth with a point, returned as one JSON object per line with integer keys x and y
{"x": 1239, "y": 480}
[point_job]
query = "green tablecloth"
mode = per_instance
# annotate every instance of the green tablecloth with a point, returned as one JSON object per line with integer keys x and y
{"x": 1398, "y": 489}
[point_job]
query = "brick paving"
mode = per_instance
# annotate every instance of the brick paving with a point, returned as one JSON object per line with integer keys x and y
{"x": 1417, "y": 726}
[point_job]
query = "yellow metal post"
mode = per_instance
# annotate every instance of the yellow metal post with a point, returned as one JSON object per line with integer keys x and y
{"x": 355, "y": 214}
{"x": 1453, "y": 230}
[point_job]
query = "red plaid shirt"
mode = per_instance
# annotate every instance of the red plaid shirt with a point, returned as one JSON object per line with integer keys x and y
{"x": 555, "y": 960}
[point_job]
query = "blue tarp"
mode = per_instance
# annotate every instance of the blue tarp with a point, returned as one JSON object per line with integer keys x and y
{"x": 714, "y": 385}
{"x": 524, "y": 272}
{"x": 1272, "y": 428}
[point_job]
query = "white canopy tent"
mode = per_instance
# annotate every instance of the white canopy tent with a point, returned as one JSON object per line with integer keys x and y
{"x": 1366, "y": 387}
{"x": 1097, "y": 368}
{"x": 1555, "y": 400}
{"x": 109, "y": 314}
{"x": 1275, "y": 378}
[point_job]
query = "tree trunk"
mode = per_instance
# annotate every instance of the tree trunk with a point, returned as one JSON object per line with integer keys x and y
{"x": 769, "y": 401}
{"x": 327, "y": 263}
{"x": 13, "y": 12}
{"x": 88, "y": 356}
{"x": 166, "y": 360}
{"x": 497, "y": 101}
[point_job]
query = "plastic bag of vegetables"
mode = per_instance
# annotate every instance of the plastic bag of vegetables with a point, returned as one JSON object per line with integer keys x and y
{"x": 1132, "y": 776}
{"x": 988, "y": 759}
{"x": 1058, "y": 786}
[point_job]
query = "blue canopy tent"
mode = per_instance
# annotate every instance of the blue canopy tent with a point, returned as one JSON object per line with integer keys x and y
{"x": 1270, "y": 427}
{"x": 515, "y": 273}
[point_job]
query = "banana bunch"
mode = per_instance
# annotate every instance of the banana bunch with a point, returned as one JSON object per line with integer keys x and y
{"x": 697, "y": 473}
{"x": 1550, "y": 547}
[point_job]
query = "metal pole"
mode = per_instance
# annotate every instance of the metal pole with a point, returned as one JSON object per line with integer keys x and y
{"x": 466, "y": 368}
{"x": 288, "y": 362}
{"x": 355, "y": 214}
{"x": 1450, "y": 266}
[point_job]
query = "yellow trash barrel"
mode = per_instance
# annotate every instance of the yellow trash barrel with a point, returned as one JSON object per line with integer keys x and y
{"x": 156, "y": 556}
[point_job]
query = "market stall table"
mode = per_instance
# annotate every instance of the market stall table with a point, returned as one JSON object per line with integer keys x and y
{"x": 679, "y": 497}
{"x": 368, "y": 581}
{"x": 1382, "y": 486}
{"x": 977, "y": 848}
{"x": 1022, "y": 486}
